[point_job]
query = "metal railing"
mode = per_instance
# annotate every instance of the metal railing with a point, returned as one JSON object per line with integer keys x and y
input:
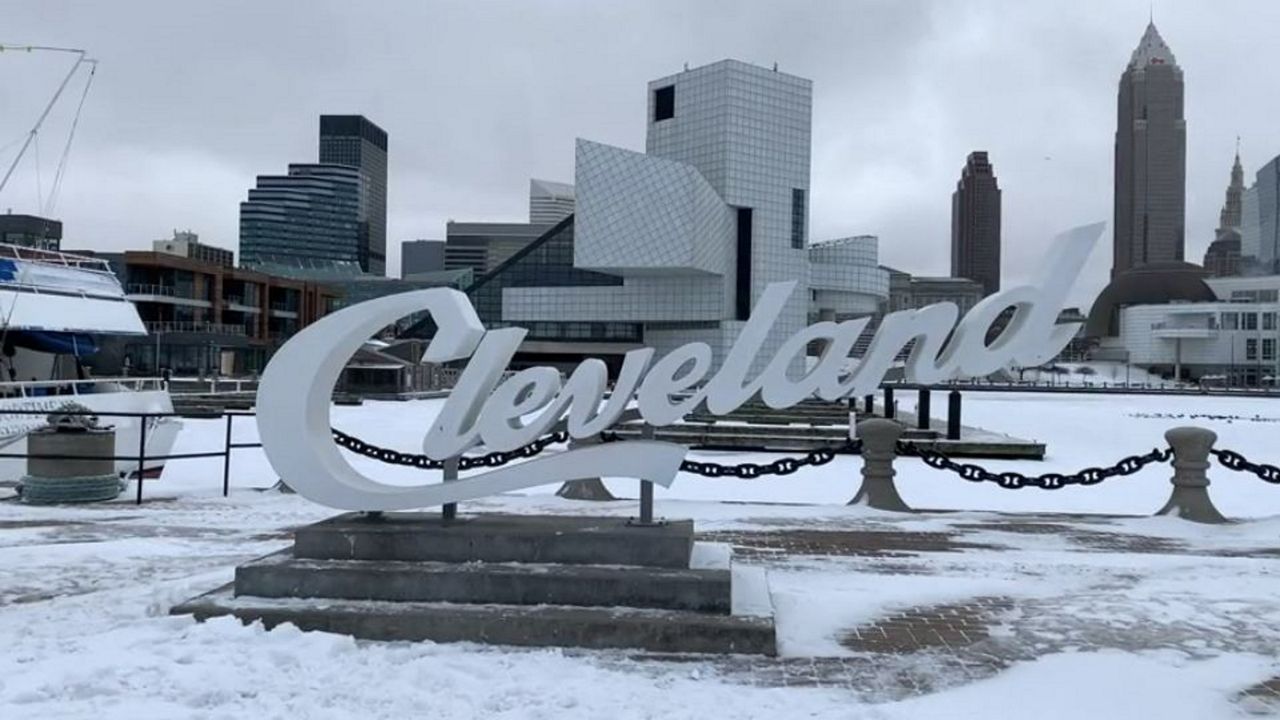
{"x": 1166, "y": 325}
{"x": 147, "y": 289}
{"x": 55, "y": 257}
{"x": 157, "y": 327}
{"x": 145, "y": 419}
{"x": 95, "y": 386}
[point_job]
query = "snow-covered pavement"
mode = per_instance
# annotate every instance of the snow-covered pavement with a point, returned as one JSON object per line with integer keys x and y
{"x": 933, "y": 615}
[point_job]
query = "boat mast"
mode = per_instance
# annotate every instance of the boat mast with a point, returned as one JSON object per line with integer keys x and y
{"x": 81, "y": 59}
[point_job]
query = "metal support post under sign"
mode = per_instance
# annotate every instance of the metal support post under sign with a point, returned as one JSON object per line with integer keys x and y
{"x": 646, "y": 492}
{"x": 449, "y": 511}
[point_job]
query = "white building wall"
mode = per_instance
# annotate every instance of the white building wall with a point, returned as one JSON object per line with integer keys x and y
{"x": 1223, "y": 343}
{"x": 747, "y": 130}
{"x": 641, "y": 215}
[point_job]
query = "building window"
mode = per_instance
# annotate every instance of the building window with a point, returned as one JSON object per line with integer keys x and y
{"x": 1230, "y": 321}
{"x": 664, "y": 103}
{"x": 1250, "y": 320}
{"x": 797, "y": 218}
{"x": 1268, "y": 321}
{"x": 1251, "y": 349}
{"x": 1268, "y": 348}
{"x": 742, "y": 288}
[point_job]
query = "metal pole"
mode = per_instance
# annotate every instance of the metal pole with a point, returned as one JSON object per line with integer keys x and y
{"x": 953, "y": 415}
{"x": 142, "y": 453}
{"x": 869, "y": 404}
{"x": 646, "y": 502}
{"x": 226, "y": 460}
{"x": 35, "y": 129}
{"x": 889, "y": 406}
{"x": 646, "y": 489}
{"x": 922, "y": 410}
{"x": 449, "y": 511}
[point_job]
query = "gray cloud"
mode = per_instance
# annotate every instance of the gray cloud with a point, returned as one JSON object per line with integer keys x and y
{"x": 193, "y": 100}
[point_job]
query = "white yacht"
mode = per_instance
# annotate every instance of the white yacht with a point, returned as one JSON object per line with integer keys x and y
{"x": 54, "y": 307}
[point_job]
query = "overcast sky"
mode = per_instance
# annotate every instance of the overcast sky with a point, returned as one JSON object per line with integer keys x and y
{"x": 192, "y": 100}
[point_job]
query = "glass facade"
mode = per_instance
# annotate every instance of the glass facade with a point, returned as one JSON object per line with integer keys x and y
{"x": 547, "y": 262}
{"x": 797, "y": 218}
{"x": 311, "y": 213}
{"x": 30, "y": 231}
{"x": 354, "y": 141}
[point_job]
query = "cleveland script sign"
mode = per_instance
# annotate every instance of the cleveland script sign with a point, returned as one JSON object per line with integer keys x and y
{"x": 294, "y": 396}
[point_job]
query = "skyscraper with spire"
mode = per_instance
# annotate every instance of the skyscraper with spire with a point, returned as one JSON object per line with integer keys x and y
{"x": 1222, "y": 259}
{"x": 1150, "y": 159}
{"x": 975, "y": 224}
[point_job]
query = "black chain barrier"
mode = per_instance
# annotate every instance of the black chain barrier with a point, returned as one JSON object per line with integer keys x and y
{"x": 744, "y": 471}
{"x": 1047, "y": 481}
{"x": 751, "y": 471}
{"x": 493, "y": 459}
{"x": 1233, "y": 460}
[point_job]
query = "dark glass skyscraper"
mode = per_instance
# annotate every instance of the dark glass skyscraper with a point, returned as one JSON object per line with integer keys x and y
{"x": 311, "y": 213}
{"x": 354, "y": 140}
{"x": 1150, "y": 159}
{"x": 975, "y": 224}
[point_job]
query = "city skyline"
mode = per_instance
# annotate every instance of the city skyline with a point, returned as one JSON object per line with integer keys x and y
{"x": 883, "y": 168}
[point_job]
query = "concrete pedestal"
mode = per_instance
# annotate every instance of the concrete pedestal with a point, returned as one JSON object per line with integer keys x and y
{"x": 71, "y": 466}
{"x": 516, "y": 580}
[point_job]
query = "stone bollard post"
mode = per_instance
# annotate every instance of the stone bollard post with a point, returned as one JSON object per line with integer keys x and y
{"x": 879, "y": 448}
{"x": 1190, "y": 497}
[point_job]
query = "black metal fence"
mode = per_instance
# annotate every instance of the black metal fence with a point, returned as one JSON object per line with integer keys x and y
{"x": 142, "y": 456}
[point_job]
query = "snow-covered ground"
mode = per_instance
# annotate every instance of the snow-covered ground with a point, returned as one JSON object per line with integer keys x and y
{"x": 1113, "y": 617}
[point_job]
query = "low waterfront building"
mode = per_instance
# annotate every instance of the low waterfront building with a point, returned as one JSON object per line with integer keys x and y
{"x": 1232, "y": 337}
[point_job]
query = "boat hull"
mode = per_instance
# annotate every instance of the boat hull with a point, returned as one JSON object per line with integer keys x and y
{"x": 161, "y": 432}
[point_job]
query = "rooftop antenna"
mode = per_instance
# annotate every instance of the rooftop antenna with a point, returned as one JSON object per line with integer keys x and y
{"x": 686, "y": 66}
{"x": 775, "y": 66}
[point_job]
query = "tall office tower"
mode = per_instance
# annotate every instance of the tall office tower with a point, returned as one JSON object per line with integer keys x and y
{"x": 313, "y": 213}
{"x": 1222, "y": 259}
{"x": 354, "y": 140}
{"x": 421, "y": 256}
{"x": 975, "y": 224}
{"x": 1267, "y": 195}
{"x": 1150, "y": 159}
{"x": 1250, "y": 228}
{"x": 1232, "y": 207}
{"x": 549, "y": 202}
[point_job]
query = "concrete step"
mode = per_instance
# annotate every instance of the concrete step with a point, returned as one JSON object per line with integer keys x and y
{"x": 496, "y": 539}
{"x": 282, "y": 575}
{"x": 664, "y": 631}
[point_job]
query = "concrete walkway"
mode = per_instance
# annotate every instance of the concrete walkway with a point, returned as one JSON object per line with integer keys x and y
{"x": 907, "y": 604}
{"x": 1106, "y": 601}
